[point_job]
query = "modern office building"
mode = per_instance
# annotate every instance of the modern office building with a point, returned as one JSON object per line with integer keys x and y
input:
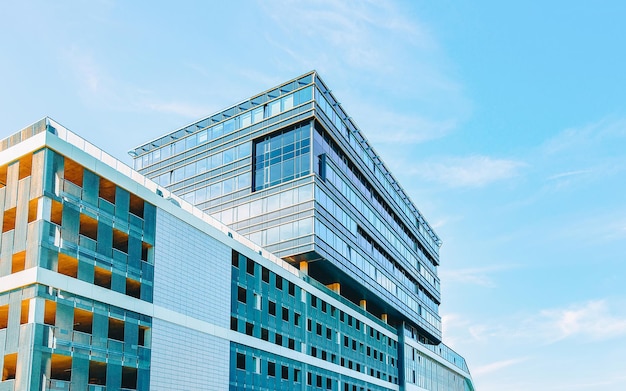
{"x": 264, "y": 247}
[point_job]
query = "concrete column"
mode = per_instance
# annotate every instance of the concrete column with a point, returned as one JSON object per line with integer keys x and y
{"x": 363, "y": 304}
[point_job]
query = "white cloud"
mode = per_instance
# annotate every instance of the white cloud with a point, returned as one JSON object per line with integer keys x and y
{"x": 473, "y": 171}
{"x": 587, "y": 322}
{"x": 584, "y": 139}
{"x": 568, "y": 174}
{"x": 478, "y": 276}
{"x": 496, "y": 366}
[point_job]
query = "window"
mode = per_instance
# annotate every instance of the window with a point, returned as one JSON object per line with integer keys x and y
{"x": 284, "y": 372}
{"x": 264, "y": 334}
{"x": 241, "y": 361}
{"x": 233, "y": 323}
{"x": 318, "y": 329}
{"x": 282, "y": 156}
{"x": 271, "y": 308}
{"x": 292, "y": 344}
{"x": 286, "y": 314}
{"x": 271, "y": 368}
{"x": 250, "y": 267}
{"x": 329, "y": 383}
{"x": 241, "y": 294}
{"x": 313, "y": 351}
{"x": 249, "y": 328}
{"x": 329, "y": 333}
{"x": 265, "y": 274}
{"x": 279, "y": 282}
{"x": 296, "y": 375}
{"x": 292, "y": 289}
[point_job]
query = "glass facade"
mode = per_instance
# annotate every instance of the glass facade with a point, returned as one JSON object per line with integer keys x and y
{"x": 134, "y": 283}
{"x": 360, "y": 233}
{"x": 282, "y": 157}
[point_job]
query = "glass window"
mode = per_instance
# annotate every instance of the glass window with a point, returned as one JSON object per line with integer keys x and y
{"x": 243, "y": 181}
{"x": 257, "y": 114}
{"x": 244, "y": 150}
{"x": 229, "y": 125}
{"x": 246, "y": 119}
{"x": 190, "y": 142}
{"x": 228, "y": 156}
{"x": 227, "y": 186}
{"x": 273, "y": 108}
{"x": 282, "y": 157}
{"x": 202, "y": 137}
{"x": 287, "y": 102}
{"x": 216, "y": 160}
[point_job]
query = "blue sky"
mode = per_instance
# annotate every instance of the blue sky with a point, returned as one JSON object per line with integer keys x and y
{"x": 504, "y": 121}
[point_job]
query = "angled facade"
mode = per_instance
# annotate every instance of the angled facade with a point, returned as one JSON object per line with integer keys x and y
{"x": 264, "y": 247}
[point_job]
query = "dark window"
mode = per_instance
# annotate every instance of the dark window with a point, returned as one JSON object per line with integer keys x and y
{"x": 264, "y": 334}
{"x": 249, "y": 328}
{"x": 235, "y": 259}
{"x": 286, "y": 314}
{"x": 279, "y": 282}
{"x": 241, "y": 294}
{"x": 279, "y": 339}
{"x": 265, "y": 274}
{"x": 296, "y": 375}
{"x": 233, "y": 323}
{"x": 292, "y": 344}
{"x": 324, "y": 309}
{"x": 308, "y": 324}
{"x": 250, "y": 267}
{"x": 346, "y": 341}
{"x": 349, "y": 320}
{"x": 353, "y": 344}
{"x": 284, "y": 372}
{"x": 271, "y": 308}
{"x": 329, "y": 333}
{"x": 292, "y": 288}
{"x": 308, "y": 378}
{"x": 329, "y": 383}
{"x": 318, "y": 329}
{"x": 271, "y": 368}
{"x": 313, "y": 351}
{"x": 313, "y": 301}
{"x": 241, "y": 361}
{"x": 358, "y": 325}
{"x": 318, "y": 381}
{"x": 341, "y": 316}
{"x": 296, "y": 319}
{"x": 324, "y": 355}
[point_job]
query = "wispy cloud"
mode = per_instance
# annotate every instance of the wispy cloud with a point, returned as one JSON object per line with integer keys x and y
{"x": 569, "y": 174}
{"x": 585, "y": 138}
{"x": 588, "y": 321}
{"x": 497, "y": 365}
{"x": 482, "y": 276}
{"x": 473, "y": 171}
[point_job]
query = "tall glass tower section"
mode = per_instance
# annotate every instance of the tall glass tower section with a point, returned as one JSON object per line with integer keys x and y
{"x": 290, "y": 170}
